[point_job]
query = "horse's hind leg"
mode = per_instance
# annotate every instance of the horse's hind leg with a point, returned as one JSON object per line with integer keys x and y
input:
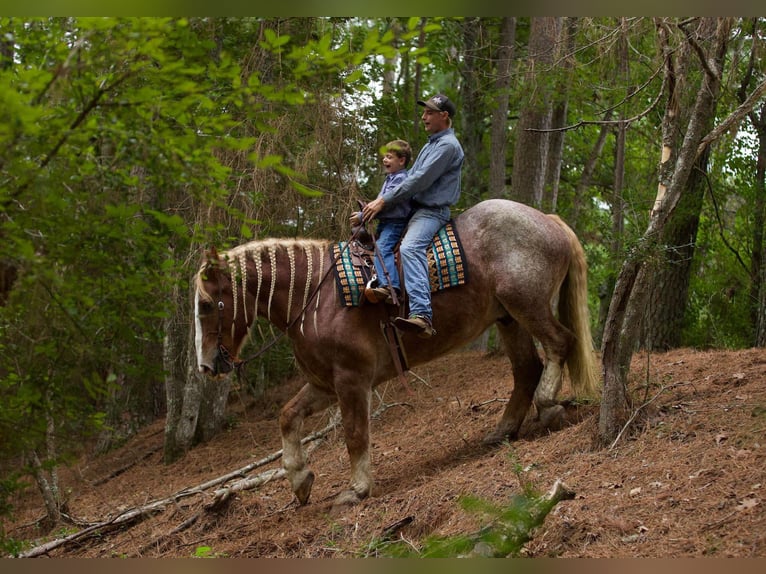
{"x": 557, "y": 342}
{"x": 309, "y": 400}
{"x": 527, "y": 368}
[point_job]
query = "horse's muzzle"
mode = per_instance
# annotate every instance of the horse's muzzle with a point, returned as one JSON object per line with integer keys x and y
{"x": 222, "y": 365}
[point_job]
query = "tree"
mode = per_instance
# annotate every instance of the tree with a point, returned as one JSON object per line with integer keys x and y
{"x": 533, "y": 135}
{"x": 87, "y": 224}
{"x": 499, "y": 121}
{"x": 636, "y": 276}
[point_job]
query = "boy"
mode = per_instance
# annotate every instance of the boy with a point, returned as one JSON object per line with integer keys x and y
{"x": 392, "y": 221}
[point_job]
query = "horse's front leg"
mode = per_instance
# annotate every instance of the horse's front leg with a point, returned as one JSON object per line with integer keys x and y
{"x": 309, "y": 400}
{"x": 354, "y": 399}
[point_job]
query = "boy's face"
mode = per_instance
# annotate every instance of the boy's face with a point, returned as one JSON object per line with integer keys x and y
{"x": 392, "y": 162}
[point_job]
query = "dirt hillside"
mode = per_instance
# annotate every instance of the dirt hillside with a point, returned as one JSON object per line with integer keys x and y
{"x": 686, "y": 482}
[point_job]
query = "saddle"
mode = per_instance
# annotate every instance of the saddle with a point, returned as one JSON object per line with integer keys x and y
{"x": 354, "y": 267}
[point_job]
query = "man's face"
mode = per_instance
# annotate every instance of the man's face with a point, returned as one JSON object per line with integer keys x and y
{"x": 434, "y": 121}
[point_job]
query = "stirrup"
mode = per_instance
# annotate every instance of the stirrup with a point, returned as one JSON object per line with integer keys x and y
{"x": 416, "y": 324}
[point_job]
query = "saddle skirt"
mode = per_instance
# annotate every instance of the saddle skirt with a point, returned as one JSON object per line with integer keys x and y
{"x": 353, "y": 265}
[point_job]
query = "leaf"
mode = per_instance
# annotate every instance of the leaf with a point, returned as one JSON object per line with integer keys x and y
{"x": 747, "y": 503}
{"x": 307, "y": 191}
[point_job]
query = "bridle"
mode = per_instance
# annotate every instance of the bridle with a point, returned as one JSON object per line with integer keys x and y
{"x": 223, "y": 352}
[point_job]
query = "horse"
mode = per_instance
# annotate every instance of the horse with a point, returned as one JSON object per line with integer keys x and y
{"x": 527, "y": 274}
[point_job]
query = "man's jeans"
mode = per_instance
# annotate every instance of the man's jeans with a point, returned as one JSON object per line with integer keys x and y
{"x": 389, "y": 233}
{"x": 423, "y": 225}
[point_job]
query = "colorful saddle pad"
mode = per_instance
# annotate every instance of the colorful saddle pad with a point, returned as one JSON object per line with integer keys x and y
{"x": 445, "y": 265}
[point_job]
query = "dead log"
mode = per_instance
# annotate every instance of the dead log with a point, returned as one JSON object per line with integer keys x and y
{"x": 135, "y": 515}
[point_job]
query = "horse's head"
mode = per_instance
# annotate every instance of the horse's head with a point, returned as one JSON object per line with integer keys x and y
{"x": 220, "y": 331}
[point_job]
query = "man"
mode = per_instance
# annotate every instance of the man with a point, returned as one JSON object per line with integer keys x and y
{"x": 433, "y": 186}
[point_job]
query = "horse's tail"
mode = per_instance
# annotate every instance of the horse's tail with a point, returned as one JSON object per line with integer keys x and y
{"x": 574, "y": 314}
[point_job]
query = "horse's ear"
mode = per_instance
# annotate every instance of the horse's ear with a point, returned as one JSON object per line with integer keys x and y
{"x": 211, "y": 258}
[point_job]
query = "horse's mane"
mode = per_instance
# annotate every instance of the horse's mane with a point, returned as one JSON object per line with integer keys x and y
{"x": 236, "y": 261}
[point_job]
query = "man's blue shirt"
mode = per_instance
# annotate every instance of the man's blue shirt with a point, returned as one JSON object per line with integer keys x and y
{"x": 434, "y": 178}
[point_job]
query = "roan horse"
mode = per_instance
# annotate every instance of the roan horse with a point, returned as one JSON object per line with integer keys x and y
{"x": 526, "y": 273}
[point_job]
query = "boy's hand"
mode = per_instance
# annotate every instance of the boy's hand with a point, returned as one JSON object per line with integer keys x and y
{"x": 355, "y": 220}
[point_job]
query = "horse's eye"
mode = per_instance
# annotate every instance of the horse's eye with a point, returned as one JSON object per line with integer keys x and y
{"x": 220, "y": 305}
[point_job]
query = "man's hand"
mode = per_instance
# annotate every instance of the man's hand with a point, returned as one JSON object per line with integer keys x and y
{"x": 372, "y": 209}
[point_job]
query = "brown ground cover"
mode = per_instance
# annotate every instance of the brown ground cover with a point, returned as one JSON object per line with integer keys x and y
{"x": 686, "y": 481}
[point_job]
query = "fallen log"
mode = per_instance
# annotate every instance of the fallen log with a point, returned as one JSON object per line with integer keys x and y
{"x": 139, "y": 513}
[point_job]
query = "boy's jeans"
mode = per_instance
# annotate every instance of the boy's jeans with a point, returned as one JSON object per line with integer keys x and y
{"x": 389, "y": 233}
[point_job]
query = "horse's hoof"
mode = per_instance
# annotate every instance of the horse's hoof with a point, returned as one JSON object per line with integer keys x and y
{"x": 552, "y": 417}
{"x": 497, "y": 437}
{"x": 346, "y": 499}
{"x": 302, "y": 489}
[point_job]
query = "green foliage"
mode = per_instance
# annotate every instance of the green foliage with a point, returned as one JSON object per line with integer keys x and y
{"x": 506, "y": 530}
{"x": 90, "y": 212}
{"x": 124, "y": 144}
{"x": 127, "y": 144}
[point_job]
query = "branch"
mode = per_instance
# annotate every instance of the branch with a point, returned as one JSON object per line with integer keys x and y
{"x": 698, "y": 49}
{"x": 89, "y": 107}
{"x": 734, "y": 118}
{"x": 626, "y": 121}
{"x": 635, "y": 413}
{"x": 720, "y": 224}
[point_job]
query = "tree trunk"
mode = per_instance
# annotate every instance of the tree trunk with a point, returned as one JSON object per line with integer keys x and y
{"x": 416, "y": 89}
{"x": 635, "y": 278}
{"x": 48, "y": 487}
{"x": 499, "y": 124}
{"x": 530, "y": 157}
{"x": 759, "y": 270}
{"x": 175, "y": 364}
{"x": 196, "y": 406}
{"x": 758, "y": 121}
{"x": 582, "y": 193}
{"x": 559, "y": 117}
{"x": 663, "y": 318}
{"x": 472, "y": 112}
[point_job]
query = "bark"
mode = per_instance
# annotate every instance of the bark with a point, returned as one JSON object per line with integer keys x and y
{"x": 663, "y": 317}
{"x": 758, "y": 121}
{"x": 559, "y": 117}
{"x": 176, "y": 341}
{"x": 48, "y": 488}
{"x": 196, "y": 406}
{"x": 472, "y": 112}
{"x": 530, "y": 158}
{"x": 416, "y": 89}
{"x": 635, "y": 278}
{"x": 582, "y": 194}
{"x": 759, "y": 270}
{"x": 499, "y": 123}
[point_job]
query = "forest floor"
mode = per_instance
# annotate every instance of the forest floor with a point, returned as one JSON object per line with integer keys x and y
{"x": 687, "y": 480}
